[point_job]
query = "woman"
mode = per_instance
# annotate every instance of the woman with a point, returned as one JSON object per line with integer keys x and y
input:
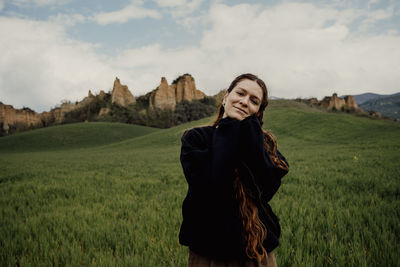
{"x": 233, "y": 169}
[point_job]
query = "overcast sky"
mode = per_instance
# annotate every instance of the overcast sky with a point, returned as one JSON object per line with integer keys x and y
{"x": 54, "y": 50}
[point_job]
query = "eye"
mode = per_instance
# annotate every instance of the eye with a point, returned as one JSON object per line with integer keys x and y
{"x": 254, "y": 101}
{"x": 240, "y": 93}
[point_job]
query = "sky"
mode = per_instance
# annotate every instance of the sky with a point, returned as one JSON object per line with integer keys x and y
{"x": 57, "y": 50}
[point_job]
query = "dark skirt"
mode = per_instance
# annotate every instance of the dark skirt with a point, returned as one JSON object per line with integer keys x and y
{"x": 196, "y": 260}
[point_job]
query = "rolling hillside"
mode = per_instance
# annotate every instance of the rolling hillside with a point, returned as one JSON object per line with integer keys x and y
{"x": 69, "y": 136}
{"x": 113, "y": 196}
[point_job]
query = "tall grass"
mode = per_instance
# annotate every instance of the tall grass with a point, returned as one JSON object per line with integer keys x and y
{"x": 116, "y": 201}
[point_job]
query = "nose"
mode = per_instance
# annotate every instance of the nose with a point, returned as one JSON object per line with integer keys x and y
{"x": 244, "y": 101}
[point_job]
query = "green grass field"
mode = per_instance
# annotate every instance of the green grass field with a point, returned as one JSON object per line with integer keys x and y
{"x": 110, "y": 194}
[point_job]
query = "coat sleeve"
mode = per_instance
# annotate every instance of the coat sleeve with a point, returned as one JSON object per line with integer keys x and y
{"x": 255, "y": 162}
{"x": 208, "y": 158}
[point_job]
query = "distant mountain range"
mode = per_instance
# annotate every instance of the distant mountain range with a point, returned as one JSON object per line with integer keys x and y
{"x": 387, "y": 105}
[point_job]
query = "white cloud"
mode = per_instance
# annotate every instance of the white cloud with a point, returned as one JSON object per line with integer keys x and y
{"x": 298, "y": 54}
{"x": 374, "y": 16}
{"x": 30, "y": 3}
{"x": 40, "y": 65}
{"x": 170, "y": 3}
{"x": 67, "y": 19}
{"x": 372, "y": 2}
{"x": 129, "y": 12}
{"x": 381, "y": 14}
{"x": 180, "y": 8}
{"x": 298, "y": 49}
{"x": 191, "y": 22}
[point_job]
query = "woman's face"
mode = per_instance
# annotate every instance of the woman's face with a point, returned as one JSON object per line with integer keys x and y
{"x": 244, "y": 100}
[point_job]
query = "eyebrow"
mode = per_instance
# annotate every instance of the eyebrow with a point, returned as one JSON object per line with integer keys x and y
{"x": 251, "y": 95}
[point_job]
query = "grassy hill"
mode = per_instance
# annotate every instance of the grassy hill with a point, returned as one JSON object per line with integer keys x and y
{"x": 112, "y": 196}
{"x": 71, "y": 136}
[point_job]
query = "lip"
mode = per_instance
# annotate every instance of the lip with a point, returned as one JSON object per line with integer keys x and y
{"x": 241, "y": 110}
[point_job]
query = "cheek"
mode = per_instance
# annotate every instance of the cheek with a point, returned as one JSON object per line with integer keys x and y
{"x": 233, "y": 98}
{"x": 254, "y": 109}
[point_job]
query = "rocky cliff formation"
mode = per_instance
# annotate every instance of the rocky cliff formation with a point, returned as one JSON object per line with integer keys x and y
{"x": 11, "y": 118}
{"x": 351, "y": 103}
{"x": 163, "y": 97}
{"x": 94, "y": 106}
{"x": 185, "y": 89}
{"x": 56, "y": 115}
{"x": 166, "y": 96}
{"x": 334, "y": 103}
{"x": 121, "y": 94}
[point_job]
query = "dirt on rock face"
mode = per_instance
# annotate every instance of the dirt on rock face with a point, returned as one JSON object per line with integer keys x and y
{"x": 351, "y": 103}
{"x": 167, "y": 96}
{"x": 334, "y": 102}
{"x": 57, "y": 115}
{"x": 11, "y": 116}
{"x": 121, "y": 94}
{"x": 164, "y": 97}
{"x": 22, "y": 119}
{"x": 185, "y": 89}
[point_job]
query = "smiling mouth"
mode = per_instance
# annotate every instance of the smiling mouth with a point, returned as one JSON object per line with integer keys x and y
{"x": 241, "y": 110}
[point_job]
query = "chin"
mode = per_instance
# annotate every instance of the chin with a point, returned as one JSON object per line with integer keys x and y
{"x": 237, "y": 116}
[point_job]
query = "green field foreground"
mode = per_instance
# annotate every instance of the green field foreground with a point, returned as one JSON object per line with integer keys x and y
{"x": 110, "y": 194}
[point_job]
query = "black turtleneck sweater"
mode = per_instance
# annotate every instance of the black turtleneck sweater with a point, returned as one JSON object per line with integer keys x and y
{"x": 211, "y": 225}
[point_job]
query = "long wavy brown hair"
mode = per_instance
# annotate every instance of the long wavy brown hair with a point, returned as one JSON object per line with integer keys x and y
{"x": 254, "y": 231}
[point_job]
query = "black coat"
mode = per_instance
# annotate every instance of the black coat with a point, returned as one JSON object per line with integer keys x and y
{"x": 211, "y": 225}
